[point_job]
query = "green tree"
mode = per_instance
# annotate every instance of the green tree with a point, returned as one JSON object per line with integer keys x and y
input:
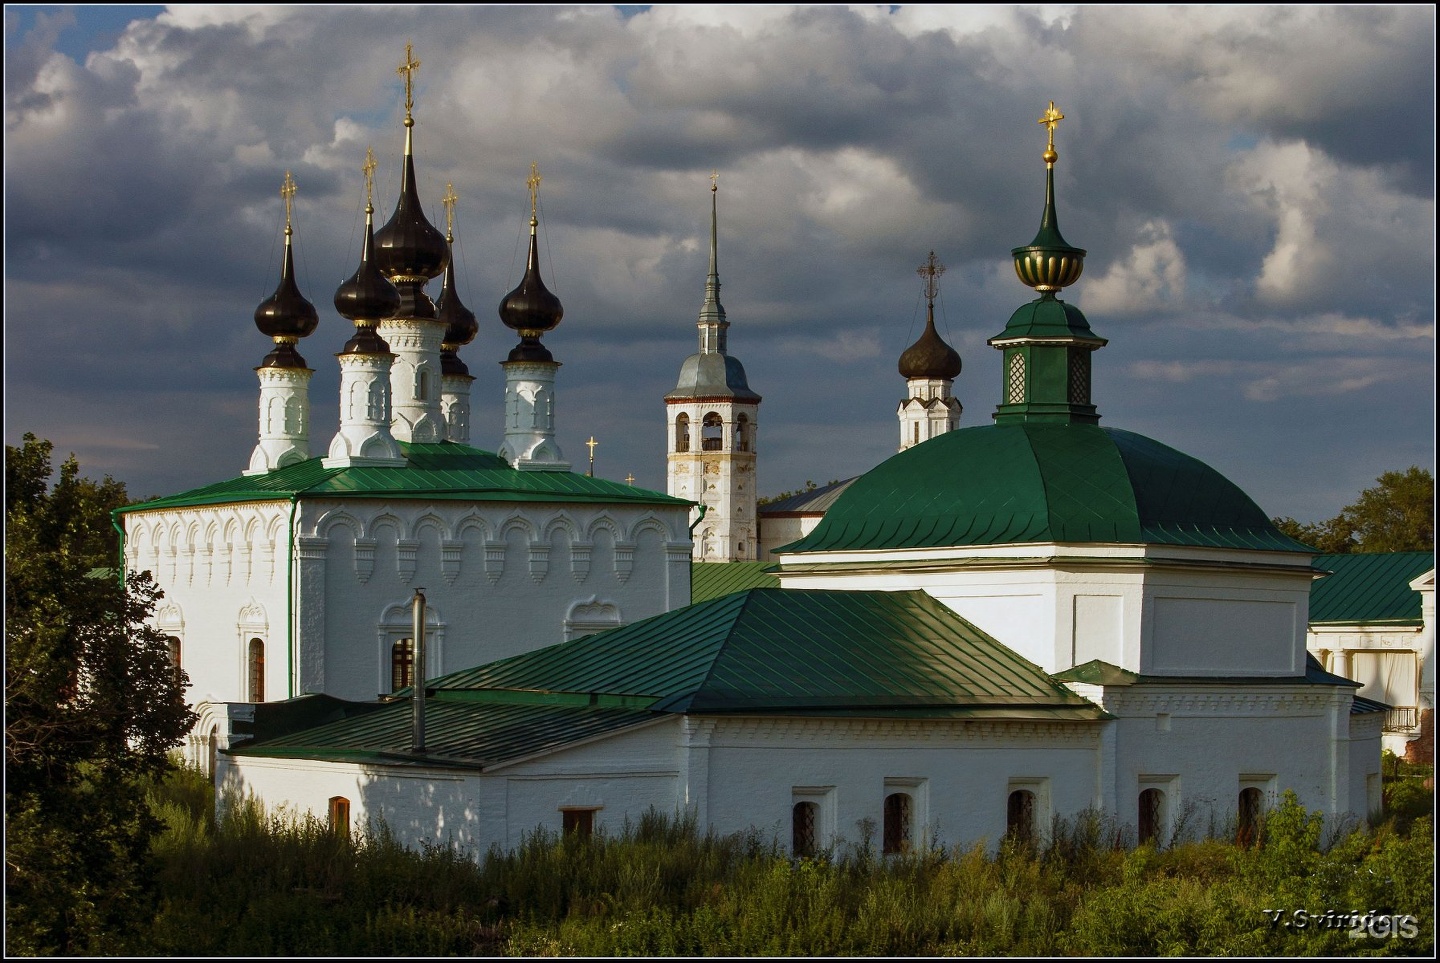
{"x": 1396, "y": 515}
{"x": 93, "y": 705}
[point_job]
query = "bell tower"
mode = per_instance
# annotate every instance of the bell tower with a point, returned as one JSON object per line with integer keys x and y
{"x": 712, "y": 421}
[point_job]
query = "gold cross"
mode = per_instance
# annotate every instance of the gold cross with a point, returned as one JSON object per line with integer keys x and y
{"x": 630, "y": 479}
{"x": 1051, "y": 118}
{"x": 370, "y": 168}
{"x": 714, "y": 181}
{"x": 591, "y": 445}
{"x": 931, "y": 271}
{"x": 287, "y": 191}
{"x": 448, "y": 201}
{"x": 407, "y": 70}
{"x": 533, "y": 182}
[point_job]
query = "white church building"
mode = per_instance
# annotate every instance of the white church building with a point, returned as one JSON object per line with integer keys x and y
{"x": 999, "y": 625}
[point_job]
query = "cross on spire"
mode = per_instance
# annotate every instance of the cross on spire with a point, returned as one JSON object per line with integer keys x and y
{"x": 714, "y": 181}
{"x": 287, "y": 191}
{"x": 1050, "y": 119}
{"x": 448, "y": 201}
{"x": 370, "y": 167}
{"x": 591, "y": 445}
{"x": 407, "y": 71}
{"x": 930, "y": 271}
{"x": 533, "y": 182}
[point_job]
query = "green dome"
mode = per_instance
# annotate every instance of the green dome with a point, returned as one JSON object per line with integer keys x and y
{"x": 1002, "y": 484}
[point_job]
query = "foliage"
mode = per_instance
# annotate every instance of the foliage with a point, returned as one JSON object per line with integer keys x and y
{"x": 93, "y": 704}
{"x": 1396, "y": 515}
{"x": 255, "y": 884}
{"x": 810, "y": 486}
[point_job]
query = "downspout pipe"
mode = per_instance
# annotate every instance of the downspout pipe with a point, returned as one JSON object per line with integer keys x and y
{"x": 698, "y": 519}
{"x": 119, "y": 530}
{"x": 417, "y": 682}
{"x": 290, "y": 597}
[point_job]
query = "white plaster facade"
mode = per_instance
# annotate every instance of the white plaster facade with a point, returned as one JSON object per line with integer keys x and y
{"x": 1151, "y": 609}
{"x": 1200, "y": 746}
{"x": 415, "y": 410}
{"x": 529, "y": 441}
{"x": 501, "y": 578}
{"x": 1395, "y": 664}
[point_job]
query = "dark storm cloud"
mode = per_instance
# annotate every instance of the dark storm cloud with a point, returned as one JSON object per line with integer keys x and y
{"x": 1254, "y": 186}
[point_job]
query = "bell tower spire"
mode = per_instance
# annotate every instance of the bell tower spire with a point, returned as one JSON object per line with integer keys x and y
{"x": 712, "y": 419}
{"x": 1048, "y": 343}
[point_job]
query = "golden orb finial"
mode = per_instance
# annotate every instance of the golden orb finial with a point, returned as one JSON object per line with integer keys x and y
{"x": 714, "y": 181}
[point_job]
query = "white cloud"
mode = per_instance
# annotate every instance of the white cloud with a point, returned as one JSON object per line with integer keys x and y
{"x": 1150, "y": 278}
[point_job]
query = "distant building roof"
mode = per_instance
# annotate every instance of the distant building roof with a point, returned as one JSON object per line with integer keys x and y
{"x": 1368, "y": 588}
{"x": 441, "y": 471}
{"x": 766, "y": 651}
{"x": 816, "y": 501}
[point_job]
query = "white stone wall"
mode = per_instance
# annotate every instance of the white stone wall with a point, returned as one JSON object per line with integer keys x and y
{"x": 500, "y": 578}
{"x": 1150, "y": 609}
{"x": 1200, "y": 747}
{"x": 223, "y": 572}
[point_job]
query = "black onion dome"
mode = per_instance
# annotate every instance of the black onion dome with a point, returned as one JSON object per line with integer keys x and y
{"x": 461, "y": 325}
{"x": 286, "y": 316}
{"x": 930, "y": 357}
{"x": 409, "y": 246}
{"x": 368, "y": 295}
{"x": 531, "y": 309}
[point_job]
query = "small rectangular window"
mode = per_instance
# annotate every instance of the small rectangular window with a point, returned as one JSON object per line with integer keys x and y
{"x": 579, "y": 823}
{"x": 340, "y": 815}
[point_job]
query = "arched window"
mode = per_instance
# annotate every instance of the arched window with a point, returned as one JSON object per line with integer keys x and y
{"x": 422, "y": 383}
{"x": 214, "y": 748}
{"x": 402, "y": 664}
{"x": 804, "y": 818}
{"x": 1020, "y": 816}
{"x": 682, "y": 432}
{"x": 173, "y": 642}
{"x": 897, "y": 822}
{"x": 1252, "y": 809}
{"x": 257, "y": 670}
{"x": 340, "y": 815}
{"x": 1152, "y": 815}
{"x": 712, "y": 432}
{"x": 742, "y": 433}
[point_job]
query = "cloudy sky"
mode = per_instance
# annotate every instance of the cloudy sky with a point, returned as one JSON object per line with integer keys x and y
{"x": 1254, "y": 185}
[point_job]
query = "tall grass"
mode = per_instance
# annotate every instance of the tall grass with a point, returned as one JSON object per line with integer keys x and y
{"x": 252, "y": 883}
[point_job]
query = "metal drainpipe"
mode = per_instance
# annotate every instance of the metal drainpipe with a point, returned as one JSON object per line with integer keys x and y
{"x": 290, "y": 598}
{"x": 698, "y": 519}
{"x": 120, "y": 530}
{"x": 417, "y": 681}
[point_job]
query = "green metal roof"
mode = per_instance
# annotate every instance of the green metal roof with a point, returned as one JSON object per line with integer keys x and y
{"x": 469, "y": 734}
{"x": 777, "y": 649}
{"x": 772, "y": 651}
{"x": 1368, "y": 588}
{"x": 1100, "y": 672}
{"x": 1077, "y": 483}
{"x": 710, "y": 580}
{"x": 441, "y": 471}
